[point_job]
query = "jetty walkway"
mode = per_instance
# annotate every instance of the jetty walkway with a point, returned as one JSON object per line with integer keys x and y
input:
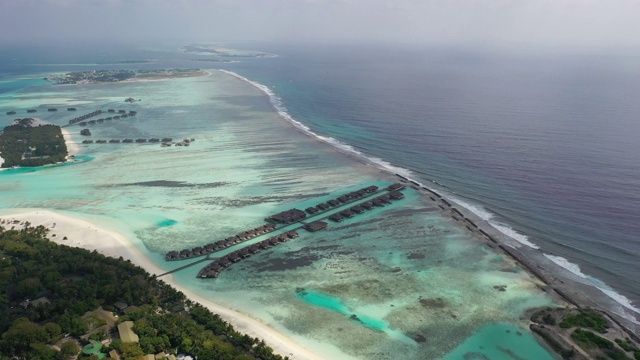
{"x": 311, "y": 219}
{"x": 80, "y": 120}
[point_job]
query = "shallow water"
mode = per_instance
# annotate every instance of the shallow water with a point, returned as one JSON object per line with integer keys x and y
{"x": 419, "y": 284}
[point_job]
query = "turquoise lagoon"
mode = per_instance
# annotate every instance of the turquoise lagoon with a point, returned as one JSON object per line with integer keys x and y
{"x": 421, "y": 287}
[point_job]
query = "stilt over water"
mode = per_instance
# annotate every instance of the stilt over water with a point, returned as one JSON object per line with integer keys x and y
{"x": 286, "y": 219}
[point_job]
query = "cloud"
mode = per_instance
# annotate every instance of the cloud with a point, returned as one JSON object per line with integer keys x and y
{"x": 537, "y": 22}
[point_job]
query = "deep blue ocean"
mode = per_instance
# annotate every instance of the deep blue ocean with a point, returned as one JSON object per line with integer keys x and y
{"x": 544, "y": 145}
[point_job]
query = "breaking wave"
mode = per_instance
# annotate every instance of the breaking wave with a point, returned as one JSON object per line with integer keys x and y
{"x": 478, "y": 210}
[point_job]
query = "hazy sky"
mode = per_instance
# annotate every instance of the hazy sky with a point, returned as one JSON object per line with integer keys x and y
{"x": 596, "y": 23}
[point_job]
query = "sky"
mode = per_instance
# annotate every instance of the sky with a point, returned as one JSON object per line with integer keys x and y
{"x": 582, "y": 23}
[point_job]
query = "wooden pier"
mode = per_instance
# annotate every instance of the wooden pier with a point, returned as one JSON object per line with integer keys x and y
{"x": 279, "y": 222}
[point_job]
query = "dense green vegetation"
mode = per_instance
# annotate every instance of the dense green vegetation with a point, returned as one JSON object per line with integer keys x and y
{"x": 76, "y": 281}
{"x": 560, "y": 349}
{"x": 23, "y": 145}
{"x": 628, "y": 346}
{"x": 589, "y": 340}
{"x": 586, "y": 318}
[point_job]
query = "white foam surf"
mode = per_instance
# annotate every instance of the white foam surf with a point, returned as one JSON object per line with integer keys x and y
{"x": 567, "y": 265}
{"x": 478, "y": 210}
{"x": 486, "y": 215}
{"x": 575, "y": 269}
{"x": 276, "y": 101}
{"x": 624, "y": 301}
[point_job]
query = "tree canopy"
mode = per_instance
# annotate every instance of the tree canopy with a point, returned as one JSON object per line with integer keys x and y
{"x": 76, "y": 281}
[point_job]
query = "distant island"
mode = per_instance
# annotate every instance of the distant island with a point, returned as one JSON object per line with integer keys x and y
{"x": 222, "y": 52}
{"x": 109, "y": 76}
{"x": 143, "y": 61}
{"x": 213, "y": 60}
{"x": 31, "y": 142}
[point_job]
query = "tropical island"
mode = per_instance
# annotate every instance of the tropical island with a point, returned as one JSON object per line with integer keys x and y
{"x": 61, "y": 302}
{"x": 109, "y": 76}
{"x": 31, "y": 142}
{"x": 584, "y": 333}
{"x": 222, "y": 52}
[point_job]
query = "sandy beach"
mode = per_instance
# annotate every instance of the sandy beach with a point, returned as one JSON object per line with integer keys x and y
{"x": 72, "y": 147}
{"x": 70, "y": 231}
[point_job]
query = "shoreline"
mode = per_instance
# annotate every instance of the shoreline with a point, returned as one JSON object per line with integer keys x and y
{"x": 84, "y": 234}
{"x": 564, "y": 288}
{"x": 563, "y": 285}
{"x": 140, "y": 79}
{"x": 73, "y": 148}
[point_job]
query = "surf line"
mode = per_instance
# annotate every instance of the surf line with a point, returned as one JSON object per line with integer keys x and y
{"x": 565, "y": 291}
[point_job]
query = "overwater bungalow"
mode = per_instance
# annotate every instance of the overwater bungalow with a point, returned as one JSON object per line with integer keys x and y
{"x": 282, "y": 237}
{"x": 396, "y": 195}
{"x": 368, "y": 205}
{"x": 127, "y": 140}
{"x": 371, "y": 189}
{"x": 111, "y": 110}
{"x": 197, "y": 251}
{"x": 167, "y": 139}
{"x": 11, "y": 112}
{"x": 311, "y": 210}
{"x": 101, "y": 141}
{"x": 333, "y": 202}
{"x": 352, "y": 195}
{"x": 384, "y": 198}
{"x": 154, "y": 140}
{"x": 343, "y": 199}
{"x": 123, "y": 116}
{"x": 132, "y": 113}
{"x": 100, "y": 120}
{"x": 122, "y": 111}
{"x": 141, "y": 140}
{"x": 114, "y": 141}
{"x": 346, "y": 213}
{"x": 316, "y": 226}
{"x": 224, "y": 262}
{"x": 292, "y": 234}
{"x": 91, "y": 122}
{"x": 52, "y": 109}
{"x": 264, "y": 245}
{"x": 377, "y": 202}
{"x": 87, "y": 141}
{"x": 336, "y": 218}
{"x": 71, "y": 109}
{"x": 85, "y": 132}
{"x": 108, "y": 118}
{"x": 84, "y": 123}
{"x": 357, "y": 209}
{"x": 116, "y": 117}
{"x": 395, "y": 187}
{"x": 32, "y": 110}
{"x": 323, "y": 206}
{"x": 288, "y": 216}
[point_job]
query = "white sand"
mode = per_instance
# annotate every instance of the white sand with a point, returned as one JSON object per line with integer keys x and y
{"x": 72, "y": 147}
{"x": 83, "y": 234}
